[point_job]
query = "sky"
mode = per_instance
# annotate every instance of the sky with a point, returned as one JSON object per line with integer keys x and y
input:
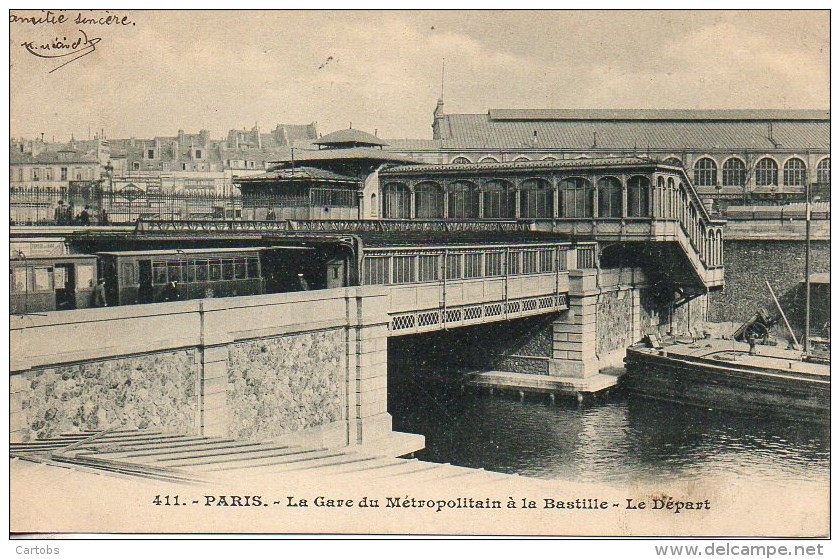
{"x": 381, "y": 71}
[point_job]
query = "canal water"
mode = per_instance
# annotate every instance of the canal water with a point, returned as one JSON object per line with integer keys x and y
{"x": 615, "y": 440}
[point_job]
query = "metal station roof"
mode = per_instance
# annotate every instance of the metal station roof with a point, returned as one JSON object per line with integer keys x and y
{"x": 349, "y": 136}
{"x": 523, "y": 165}
{"x": 603, "y": 130}
{"x": 658, "y": 114}
{"x": 297, "y": 174}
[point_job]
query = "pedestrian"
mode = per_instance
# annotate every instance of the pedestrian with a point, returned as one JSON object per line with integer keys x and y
{"x": 59, "y": 213}
{"x": 84, "y": 217}
{"x": 304, "y": 285}
{"x": 103, "y": 217}
{"x": 271, "y": 216}
{"x": 751, "y": 336}
{"x": 99, "y": 297}
{"x": 170, "y": 292}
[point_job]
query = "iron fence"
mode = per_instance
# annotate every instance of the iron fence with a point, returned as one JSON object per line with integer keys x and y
{"x": 81, "y": 204}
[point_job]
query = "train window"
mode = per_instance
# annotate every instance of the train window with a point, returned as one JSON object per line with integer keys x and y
{"x": 42, "y": 279}
{"x": 529, "y": 261}
{"x": 493, "y": 264}
{"x": 215, "y": 270}
{"x": 127, "y": 273}
{"x": 513, "y": 263}
{"x": 253, "y": 267}
{"x": 188, "y": 271}
{"x": 239, "y": 269}
{"x": 201, "y": 270}
{"x": 403, "y": 269}
{"x": 174, "y": 270}
{"x": 428, "y": 267}
{"x": 84, "y": 276}
{"x": 376, "y": 270}
{"x": 546, "y": 260}
{"x": 227, "y": 270}
{"x": 19, "y": 279}
{"x": 159, "y": 273}
{"x": 472, "y": 265}
{"x": 453, "y": 266}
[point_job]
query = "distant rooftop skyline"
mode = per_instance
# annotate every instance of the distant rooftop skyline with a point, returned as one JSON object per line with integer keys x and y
{"x": 382, "y": 70}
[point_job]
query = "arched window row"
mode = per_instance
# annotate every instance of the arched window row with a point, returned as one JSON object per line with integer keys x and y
{"x": 573, "y": 197}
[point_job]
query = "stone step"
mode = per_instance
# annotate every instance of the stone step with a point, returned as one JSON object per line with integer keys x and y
{"x": 222, "y": 455}
{"x": 263, "y": 462}
{"x": 163, "y": 444}
{"x": 192, "y": 450}
{"x": 388, "y": 465}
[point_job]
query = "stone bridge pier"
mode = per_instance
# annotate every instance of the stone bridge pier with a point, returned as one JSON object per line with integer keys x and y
{"x": 609, "y": 310}
{"x": 581, "y": 350}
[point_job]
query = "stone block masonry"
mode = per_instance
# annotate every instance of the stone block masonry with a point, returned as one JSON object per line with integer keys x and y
{"x": 154, "y": 391}
{"x": 749, "y": 263}
{"x": 277, "y": 386}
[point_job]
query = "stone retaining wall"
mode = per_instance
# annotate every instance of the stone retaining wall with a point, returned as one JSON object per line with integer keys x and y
{"x": 298, "y": 367}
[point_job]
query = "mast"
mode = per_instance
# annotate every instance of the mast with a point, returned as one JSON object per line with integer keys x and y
{"x": 807, "y": 265}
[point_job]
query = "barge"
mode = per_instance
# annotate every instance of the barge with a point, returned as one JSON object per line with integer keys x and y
{"x": 723, "y": 375}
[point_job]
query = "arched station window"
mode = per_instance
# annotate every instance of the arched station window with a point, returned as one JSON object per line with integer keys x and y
{"x": 794, "y": 172}
{"x": 549, "y": 158}
{"x": 488, "y": 159}
{"x": 705, "y": 172}
{"x": 766, "y": 172}
{"x": 609, "y": 197}
{"x": 521, "y": 158}
{"x": 428, "y": 200}
{"x": 463, "y": 200}
{"x": 499, "y": 199}
{"x": 662, "y": 193}
{"x": 824, "y": 171}
{"x": 675, "y": 161}
{"x": 460, "y": 160}
{"x": 576, "y": 195}
{"x": 673, "y": 200}
{"x": 536, "y": 199}
{"x": 638, "y": 197}
{"x": 734, "y": 172}
{"x": 396, "y": 201}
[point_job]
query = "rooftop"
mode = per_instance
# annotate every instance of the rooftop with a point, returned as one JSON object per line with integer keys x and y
{"x": 763, "y": 115}
{"x": 297, "y": 174}
{"x": 349, "y": 137}
{"x": 516, "y": 165}
{"x": 660, "y": 130}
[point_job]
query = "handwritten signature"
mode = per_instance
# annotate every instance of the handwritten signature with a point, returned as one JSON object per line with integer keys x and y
{"x": 61, "y": 47}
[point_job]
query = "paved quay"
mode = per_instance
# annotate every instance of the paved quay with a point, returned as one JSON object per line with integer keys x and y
{"x": 150, "y": 482}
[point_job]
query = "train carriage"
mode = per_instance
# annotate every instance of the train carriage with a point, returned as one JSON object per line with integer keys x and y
{"x": 153, "y": 276}
{"x": 49, "y": 283}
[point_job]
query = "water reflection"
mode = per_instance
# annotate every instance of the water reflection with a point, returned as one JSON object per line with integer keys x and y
{"x": 618, "y": 440}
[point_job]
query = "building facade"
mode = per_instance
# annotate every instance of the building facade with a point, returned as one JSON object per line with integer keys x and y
{"x": 732, "y": 156}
